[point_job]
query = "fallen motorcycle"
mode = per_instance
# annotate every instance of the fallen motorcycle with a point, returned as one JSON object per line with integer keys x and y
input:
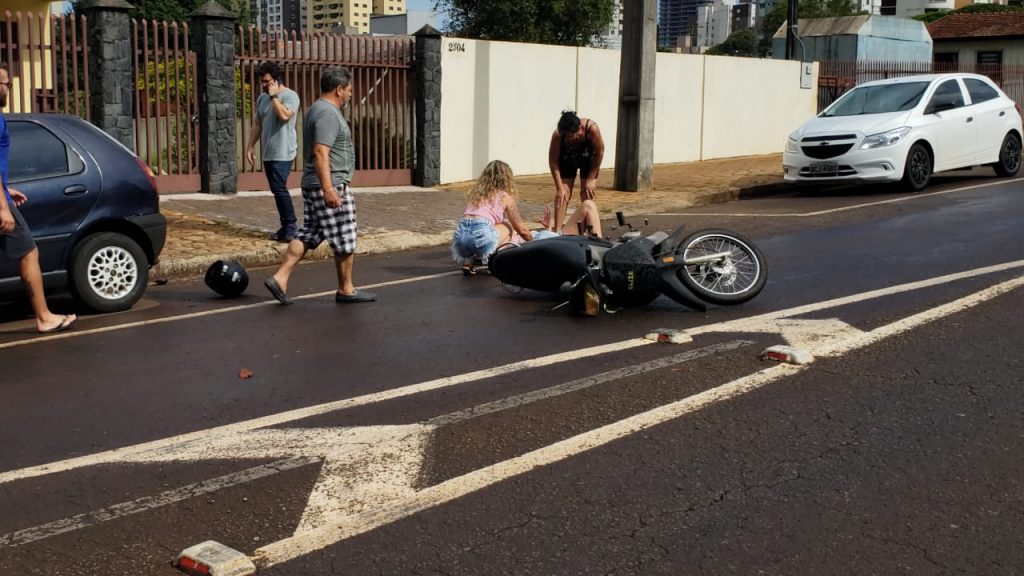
{"x": 706, "y": 267}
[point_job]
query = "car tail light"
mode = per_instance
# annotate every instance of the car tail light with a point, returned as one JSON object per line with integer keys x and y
{"x": 149, "y": 174}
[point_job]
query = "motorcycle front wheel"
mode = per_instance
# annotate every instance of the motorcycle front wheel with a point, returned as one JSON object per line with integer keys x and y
{"x": 721, "y": 267}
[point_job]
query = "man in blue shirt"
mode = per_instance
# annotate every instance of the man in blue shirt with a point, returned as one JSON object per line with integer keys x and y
{"x": 16, "y": 241}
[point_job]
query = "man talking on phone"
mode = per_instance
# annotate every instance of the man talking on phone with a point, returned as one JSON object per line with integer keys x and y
{"x": 274, "y": 124}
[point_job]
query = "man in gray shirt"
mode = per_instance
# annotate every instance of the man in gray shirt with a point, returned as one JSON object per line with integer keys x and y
{"x": 274, "y": 122}
{"x": 328, "y": 208}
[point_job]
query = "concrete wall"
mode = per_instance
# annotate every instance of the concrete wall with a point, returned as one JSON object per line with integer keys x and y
{"x": 502, "y": 100}
{"x": 967, "y": 50}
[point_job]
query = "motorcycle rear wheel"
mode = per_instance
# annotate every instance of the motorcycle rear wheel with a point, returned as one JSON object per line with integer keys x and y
{"x": 727, "y": 281}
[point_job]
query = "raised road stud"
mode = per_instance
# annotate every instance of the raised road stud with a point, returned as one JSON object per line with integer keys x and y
{"x": 787, "y": 354}
{"x": 214, "y": 559}
{"x": 669, "y": 335}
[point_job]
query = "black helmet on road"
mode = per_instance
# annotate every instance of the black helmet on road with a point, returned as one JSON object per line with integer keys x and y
{"x": 227, "y": 278}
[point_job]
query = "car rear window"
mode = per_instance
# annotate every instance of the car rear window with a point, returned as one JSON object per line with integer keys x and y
{"x": 878, "y": 99}
{"x": 38, "y": 153}
{"x": 979, "y": 90}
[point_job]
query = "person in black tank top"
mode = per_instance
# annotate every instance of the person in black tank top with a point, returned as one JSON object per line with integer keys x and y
{"x": 576, "y": 146}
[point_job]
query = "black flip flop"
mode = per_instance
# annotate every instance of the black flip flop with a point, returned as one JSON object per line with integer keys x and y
{"x": 357, "y": 296}
{"x": 275, "y": 290}
{"x": 65, "y": 323}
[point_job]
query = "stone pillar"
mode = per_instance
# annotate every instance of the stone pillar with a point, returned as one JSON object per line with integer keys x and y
{"x": 212, "y": 35}
{"x": 111, "y": 90}
{"x": 634, "y": 143}
{"x": 428, "y": 107}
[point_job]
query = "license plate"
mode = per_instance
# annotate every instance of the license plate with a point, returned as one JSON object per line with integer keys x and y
{"x": 824, "y": 168}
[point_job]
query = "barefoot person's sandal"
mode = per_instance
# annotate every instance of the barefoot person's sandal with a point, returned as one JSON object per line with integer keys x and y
{"x": 65, "y": 323}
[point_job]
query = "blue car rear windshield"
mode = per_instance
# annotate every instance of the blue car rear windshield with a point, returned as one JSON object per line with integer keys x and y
{"x": 878, "y": 99}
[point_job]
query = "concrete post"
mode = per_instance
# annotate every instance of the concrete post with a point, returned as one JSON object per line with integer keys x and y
{"x": 111, "y": 90}
{"x": 428, "y": 107}
{"x": 213, "y": 39}
{"x": 634, "y": 144}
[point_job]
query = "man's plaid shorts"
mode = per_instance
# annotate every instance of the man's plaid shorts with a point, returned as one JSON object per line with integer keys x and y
{"x": 336, "y": 225}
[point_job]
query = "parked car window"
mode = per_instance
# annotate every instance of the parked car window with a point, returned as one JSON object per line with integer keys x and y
{"x": 980, "y": 91}
{"x": 38, "y": 153}
{"x": 878, "y": 99}
{"x": 949, "y": 91}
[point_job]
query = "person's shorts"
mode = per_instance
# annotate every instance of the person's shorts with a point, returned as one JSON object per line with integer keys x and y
{"x": 568, "y": 170}
{"x": 335, "y": 225}
{"x": 474, "y": 238}
{"x": 19, "y": 242}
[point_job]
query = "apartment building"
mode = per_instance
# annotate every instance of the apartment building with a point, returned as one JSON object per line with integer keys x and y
{"x": 349, "y": 14}
{"x": 278, "y": 14}
{"x": 612, "y": 38}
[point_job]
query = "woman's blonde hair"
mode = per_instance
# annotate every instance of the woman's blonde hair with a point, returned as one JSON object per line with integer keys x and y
{"x": 496, "y": 176}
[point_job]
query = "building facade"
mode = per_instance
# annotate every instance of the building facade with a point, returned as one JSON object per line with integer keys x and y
{"x": 351, "y": 15}
{"x": 278, "y": 14}
{"x": 612, "y": 38}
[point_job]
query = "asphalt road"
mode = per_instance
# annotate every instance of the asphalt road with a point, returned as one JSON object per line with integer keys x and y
{"x": 453, "y": 427}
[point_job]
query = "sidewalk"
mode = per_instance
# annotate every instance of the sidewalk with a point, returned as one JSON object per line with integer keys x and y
{"x": 203, "y": 228}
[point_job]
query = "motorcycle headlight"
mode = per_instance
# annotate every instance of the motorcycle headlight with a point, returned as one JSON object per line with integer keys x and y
{"x": 792, "y": 145}
{"x": 885, "y": 138}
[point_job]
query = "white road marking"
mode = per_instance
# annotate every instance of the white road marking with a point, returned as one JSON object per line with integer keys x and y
{"x": 844, "y": 208}
{"x": 228, "y": 431}
{"x": 145, "y": 504}
{"x": 362, "y": 468}
{"x": 306, "y": 541}
{"x": 76, "y": 333}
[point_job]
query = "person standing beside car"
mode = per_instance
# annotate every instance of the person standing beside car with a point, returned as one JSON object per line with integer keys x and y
{"x": 274, "y": 123}
{"x": 16, "y": 241}
{"x": 328, "y": 207}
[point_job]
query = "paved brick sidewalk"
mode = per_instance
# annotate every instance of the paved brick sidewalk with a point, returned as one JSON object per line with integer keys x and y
{"x": 205, "y": 228}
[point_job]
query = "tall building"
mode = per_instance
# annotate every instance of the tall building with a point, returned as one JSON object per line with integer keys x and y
{"x": 612, "y": 37}
{"x": 350, "y": 14}
{"x": 670, "y": 22}
{"x": 678, "y": 18}
{"x": 278, "y": 14}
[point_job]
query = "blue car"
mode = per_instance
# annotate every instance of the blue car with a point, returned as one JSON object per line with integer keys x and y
{"x": 92, "y": 207}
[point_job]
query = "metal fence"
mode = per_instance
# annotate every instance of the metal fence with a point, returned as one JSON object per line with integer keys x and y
{"x": 381, "y": 111}
{"x": 48, "y": 61}
{"x": 166, "y": 117}
{"x": 836, "y": 77}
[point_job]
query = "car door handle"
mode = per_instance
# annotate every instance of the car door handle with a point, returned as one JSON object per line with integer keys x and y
{"x": 75, "y": 190}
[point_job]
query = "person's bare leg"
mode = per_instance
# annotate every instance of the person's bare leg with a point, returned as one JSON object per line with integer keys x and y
{"x": 590, "y": 217}
{"x": 296, "y": 250}
{"x": 32, "y": 278}
{"x": 344, "y": 262}
{"x": 562, "y": 207}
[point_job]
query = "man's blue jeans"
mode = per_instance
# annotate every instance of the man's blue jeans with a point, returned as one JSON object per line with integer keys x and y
{"x": 277, "y": 176}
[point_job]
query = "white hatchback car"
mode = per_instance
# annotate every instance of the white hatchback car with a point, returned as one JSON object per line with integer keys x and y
{"x": 904, "y": 129}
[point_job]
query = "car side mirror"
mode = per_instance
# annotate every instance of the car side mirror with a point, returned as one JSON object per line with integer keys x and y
{"x": 940, "y": 104}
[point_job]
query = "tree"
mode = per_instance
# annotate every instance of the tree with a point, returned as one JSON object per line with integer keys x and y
{"x": 969, "y": 9}
{"x": 564, "y": 22}
{"x": 739, "y": 43}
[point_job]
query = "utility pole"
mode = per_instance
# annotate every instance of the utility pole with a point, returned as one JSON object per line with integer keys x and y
{"x": 792, "y": 18}
{"x": 634, "y": 142}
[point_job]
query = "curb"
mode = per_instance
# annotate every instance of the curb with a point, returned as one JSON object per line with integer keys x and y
{"x": 378, "y": 243}
{"x": 398, "y": 240}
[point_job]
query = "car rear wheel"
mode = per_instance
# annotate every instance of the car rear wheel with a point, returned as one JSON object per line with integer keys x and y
{"x": 918, "y": 170}
{"x": 1009, "y": 156}
{"x": 109, "y": 272}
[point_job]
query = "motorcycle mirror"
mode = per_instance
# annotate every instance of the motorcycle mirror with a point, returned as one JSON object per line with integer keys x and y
{"x": 646, "y": 222}
{"x": 620, "y": 219}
